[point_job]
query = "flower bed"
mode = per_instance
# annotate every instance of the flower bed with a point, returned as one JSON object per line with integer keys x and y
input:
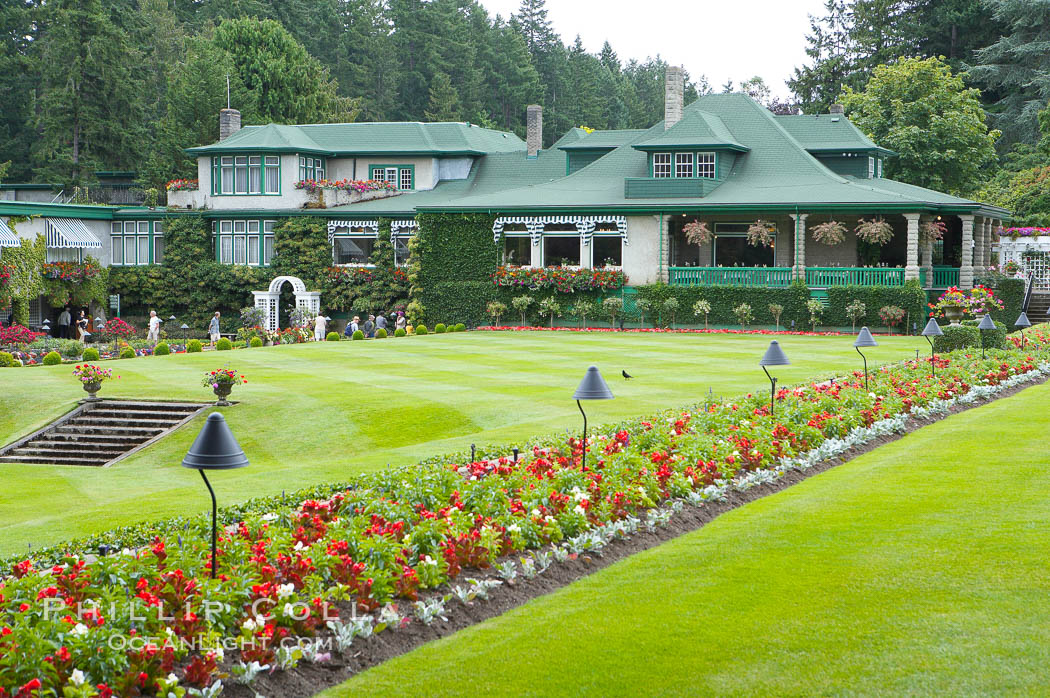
{"x": 561, "y": 279}
{"x": 1015, "y": 233}
{"x": 680, "y": 330}
{"x": 74, "y": 272}
{"x": 298, "y": 569}
{"x": 16, "y": 334}
{"x": 312, "y": 186}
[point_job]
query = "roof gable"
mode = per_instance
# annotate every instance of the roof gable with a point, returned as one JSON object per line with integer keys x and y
{"x": 825, "y": 133}
{"x": 696, "y": 129}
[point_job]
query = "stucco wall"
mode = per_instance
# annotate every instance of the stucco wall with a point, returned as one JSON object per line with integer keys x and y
{"x": 290, "y": 197}
{"x": 641, "y": 257}
{"x": 28, "y": 230}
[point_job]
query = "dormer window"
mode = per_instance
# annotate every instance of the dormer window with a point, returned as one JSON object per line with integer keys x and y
{"x": 683, "y": 164}
{"x": 311, "y": 168}
{"x": 871, "y": 168}
{"x": 705, "y": 165}
{"x": 661, "y": 164}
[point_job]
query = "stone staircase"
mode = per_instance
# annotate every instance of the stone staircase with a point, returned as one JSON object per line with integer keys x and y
{"x": 99, "y": 433}
{"x": 1038, "y": 307}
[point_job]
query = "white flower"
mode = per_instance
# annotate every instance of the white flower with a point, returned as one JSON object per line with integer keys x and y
{"x": 578, "y": 494}
{"x": 269, "y": 517}
{"x": 580, "y": 510}
{"x": 285, "y": 590}
{"x": 77, "y": 677}
{"x": 298, "y": 546}
{"x": 289, "y": 610}
{"x": 248, "y": 625}
{"x": 513, "y": 528}
{"x": 79, "y": 629}
{"x": 427, "y": 560}
{"x": 535, "y": 512}
{"x": 173, "y": 679}
{"x": 220, "y": 653}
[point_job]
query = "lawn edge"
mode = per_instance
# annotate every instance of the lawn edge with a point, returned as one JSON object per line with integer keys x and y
{"x": 311, "y": 679}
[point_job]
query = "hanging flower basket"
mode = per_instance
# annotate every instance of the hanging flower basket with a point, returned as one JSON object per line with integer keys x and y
{"x": 874, "y": 232}
{"x": 831, "y": 233}
{"x": 697, "y": 232}
{"x": 759, "y": 234}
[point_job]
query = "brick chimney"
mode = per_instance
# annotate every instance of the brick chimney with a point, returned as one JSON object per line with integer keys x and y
{"x": 533, "y": 129}
{"x": 836, "y": 109}
{"x": 674, "y": 95}
{"x": 229, "y": 123}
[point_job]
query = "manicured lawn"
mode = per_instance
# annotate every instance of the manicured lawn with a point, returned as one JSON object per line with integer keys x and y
{"x": 321, "y": 412}
{"x": 917, "y": 569}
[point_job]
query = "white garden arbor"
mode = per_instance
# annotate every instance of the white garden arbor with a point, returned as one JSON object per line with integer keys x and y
{"x": 268, "y": 300}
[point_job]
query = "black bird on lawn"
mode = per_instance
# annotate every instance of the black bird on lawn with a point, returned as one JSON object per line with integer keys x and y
{"x": 626, "y": 376}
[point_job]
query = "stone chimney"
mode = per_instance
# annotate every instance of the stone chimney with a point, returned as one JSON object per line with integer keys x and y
{"x": 533, "y": 129}
{"x": 674, "y": 95}
{"x": 836, "y": 109}
{"x": 229, "y": 123}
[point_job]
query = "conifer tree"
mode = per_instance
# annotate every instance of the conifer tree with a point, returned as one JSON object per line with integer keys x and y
{"x": 444, "y": 100}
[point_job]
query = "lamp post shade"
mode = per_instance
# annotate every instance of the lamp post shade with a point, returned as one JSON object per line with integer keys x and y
{"x": 932, "y": 329}
{"x": 215, "y": 447}
{"x": 1022, "y": 320}
{"x": 986, "y": 323}
{"x": 864, "y": 339}
{"x": 774, "y": 356}
{"x": 592, "y": 387}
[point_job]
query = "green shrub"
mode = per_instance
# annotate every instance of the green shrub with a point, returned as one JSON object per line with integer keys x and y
{"x": 956, "y": 337}
{"x": 332, "y": 337}
{"x": 71, "y": 349}
{"x": 992, "y": 339}
{"x": 439, "y": 328}
{"x": 6, "y": 360}
{"x": 127, "y": 353}
{"x": 910, "y": 297}
{"x": 256, "y": 342}
{"x": 421, "y": 329}
{"x": 722, "y": 300}
{"x": 53, "y": 358}
{"x": 223, "y": 344}
{"x": 90, "y": 354}
{"x": 400, "y": 332}
{"x": 193, "y": 346}
{"x": 358, "y": 334}
{"x": 162, "y": 349}
{"x": 460, "y": 327}
{"x": 381, "y": 333}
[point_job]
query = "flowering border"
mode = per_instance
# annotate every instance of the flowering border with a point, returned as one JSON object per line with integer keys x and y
{"x": 312, "y": 186}
{"x": 665, "y": 330}
{"x": 561, "y": 279}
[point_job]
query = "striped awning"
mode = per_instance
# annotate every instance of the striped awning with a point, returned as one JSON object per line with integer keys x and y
{"x": 69, "y": 232}
{"x": 535, "y": 225}
{"x": 365, "y": 225}
{"x": 8, "y": 237}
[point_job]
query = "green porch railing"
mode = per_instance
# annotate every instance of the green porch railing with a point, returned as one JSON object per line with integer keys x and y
{"x": 823, "y": 277}
{"x": 764, "y": 277}
{"x": 943, "y": 277}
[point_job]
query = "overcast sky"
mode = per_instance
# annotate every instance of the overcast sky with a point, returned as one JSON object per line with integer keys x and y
{"x": 722, "y": 39}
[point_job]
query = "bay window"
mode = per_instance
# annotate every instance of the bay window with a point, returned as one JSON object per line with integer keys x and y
{"x": 661, "y": 165}
{"x": 683, "y": 164}
{"x": 705, "y": 165}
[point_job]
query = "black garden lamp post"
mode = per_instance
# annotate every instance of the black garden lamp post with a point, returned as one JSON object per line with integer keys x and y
{"x": 774, "y": 356}
{"x": 932, "y": 329}
{"x": 864, "y": 339}
{"x": 1022, "y": 322}
{"x": 987, "y": 323}
{"x": 185, "y": 333}
{"x": 215, "y": 449}
{"x": 46, "y": 327}
{"x": 592, "y": 387}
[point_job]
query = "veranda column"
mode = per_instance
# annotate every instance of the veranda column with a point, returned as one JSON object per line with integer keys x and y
{"x": 911, "y": 268}
{"x": 986, "y": 244}
{"x": 966, "y": 268}
{"x": 799, "y": 268}
{"x": 927, "y": 261}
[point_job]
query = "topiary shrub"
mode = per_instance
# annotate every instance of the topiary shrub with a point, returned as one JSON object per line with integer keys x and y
{"x": 358, "y": 334}
{"x": 194, "y": 346}
{"x": 127, "y": 353}
{"x": 162, "y": 349}
{"x": 90, "y": 354}
{"x": 421, "y": 329}
{"x": 332, "y": 337}
{"x": 381, "y": 333}
{"x": 223, "y": 344}
{"x": 53, "y": 358}
{"x": 992, "y": 339}
{"x": 460, "y": 327}
{"x": 256, "y": 342}
{"x": 439, "y": 328}
{"x": 400, "y": 332}
{"x": 956, "y": 337}
{"x": 7, "y": 360}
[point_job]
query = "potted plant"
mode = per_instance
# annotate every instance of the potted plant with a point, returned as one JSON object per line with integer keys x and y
{"x": 952, "y": 304}
{"x": 221, "y": 382}
{"x": 92, "y": 377}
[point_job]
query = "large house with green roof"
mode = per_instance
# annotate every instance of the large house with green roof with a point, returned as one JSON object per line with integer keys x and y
{"x": 618, "y": 198}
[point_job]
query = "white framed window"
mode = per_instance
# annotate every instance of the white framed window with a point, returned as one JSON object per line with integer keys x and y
{"x": 683, "y": 164}
{"x": 226, "y": 182}
{"x": 240, "y": 169}
{"x": 273, "y": 174}
{"x": 253, "y": 243}
{"x": 117, "y": 247}
{"x": 561, "y": 250}
{"x": 251, "y": 175}
{"x": 878, "y": 168}
{"x": 661, "y": 164}
{"x": 705, "y": 165}
{"x": 255, "y": 174}
{"x": 143, "y": 245}
{"x": 401, "y": 252}
{"x": 607, "y": 251}
{"x": 517, "y": 249}
{"x": 268, "y": 227}
{"x": 239, "y": 250}
{"x": 130, "y": 253}
{"x": 226, "y": 249}
{"x": 353, "y": 249}
{"x": 158, "y": 249}
{"x": 871, "y": 168}
{"x": 405, "y": 179}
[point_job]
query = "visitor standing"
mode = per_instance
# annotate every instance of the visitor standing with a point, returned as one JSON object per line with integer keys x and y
{"x": 320, "y": 325}
{"x": 380, "y": 321}
{"x": 401, "y": 322}
{"x": 65, "y": 319}
{"x": 370, "y": 327}
{"x": 154, "y": 327}
{"x": 213, "y": 328}
{"x": 82, "y": 325}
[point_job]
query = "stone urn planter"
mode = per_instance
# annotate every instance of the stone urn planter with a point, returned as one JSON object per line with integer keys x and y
{"x": 954, "y": 313}
{"x": 92, "y": 390}
{"x": 222, "y": 391}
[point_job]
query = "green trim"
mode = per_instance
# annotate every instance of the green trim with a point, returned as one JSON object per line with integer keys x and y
{"x": 216, "y": 174}
{"x": 726, "y": 208}
{"x": 692, "y": 146}
{"x": 372, "y": 170}
{"x": 33, "y": 208}
{"x": 877, "y": 150}
{"x": 219, "y": 148}
{"x": 49, "y": 187}
{"x": 125, "y": 174}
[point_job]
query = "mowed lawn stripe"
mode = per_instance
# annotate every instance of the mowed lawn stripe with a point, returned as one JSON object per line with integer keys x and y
{"x": 322, "y": 412}
{"x": 916, "y": 569}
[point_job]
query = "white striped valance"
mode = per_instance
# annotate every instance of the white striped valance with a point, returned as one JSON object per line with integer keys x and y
{"x": 398, "y": 225}
{"x": 334, "y": 225}
{"x": 69, "y": 232}
{"x": 8, "y": 237}
{"x": 536, "y": 225}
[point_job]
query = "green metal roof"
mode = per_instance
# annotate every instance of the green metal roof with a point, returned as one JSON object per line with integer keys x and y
{"x": 600, "y": 140}
{"x": 828, "y": 133}
{"x": 371, "y": 138}
{"x": 696, "y": 129}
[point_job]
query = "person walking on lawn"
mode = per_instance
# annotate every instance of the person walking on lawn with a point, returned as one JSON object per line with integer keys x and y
{"x": 213, "y": 328}
{"x": 65, "y": 319}
{"x": 154, "y": 327}
{"x": 320, "y": 324}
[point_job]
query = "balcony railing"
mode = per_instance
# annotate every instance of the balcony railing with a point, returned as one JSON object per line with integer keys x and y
{"x": 824, "y": 277}
{"x": 943, "y": 277}
{"x": 765, "y": 277}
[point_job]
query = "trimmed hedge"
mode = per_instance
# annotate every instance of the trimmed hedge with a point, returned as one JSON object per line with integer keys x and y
{"x": 53, "y": 358}
{"x": 1011, "y": 293}
{"x": 256, "y": 342}
{"x": 90, "y": 354}
{"x": 911, "y": 297}
{"x": 439, "y": 328}
{"x": 991, "y": 339}
{"x": 460, "y": 327}
{"x": 7, "y": 360}
{"x": 421, "y": 329}
{"x": 400, "y": 332}
{"x": 358, "y": 334}
{"x": 330, "y": 337}
{"x": 223, "y": 344}
{"x": 194, "y": 346}
{"x": 162, "y": 349}
{"x": 127, "y": 353}
{"x": 956, "y": 337}
{"x": 381, "y": 333}
{"x": 723, "y": 299}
